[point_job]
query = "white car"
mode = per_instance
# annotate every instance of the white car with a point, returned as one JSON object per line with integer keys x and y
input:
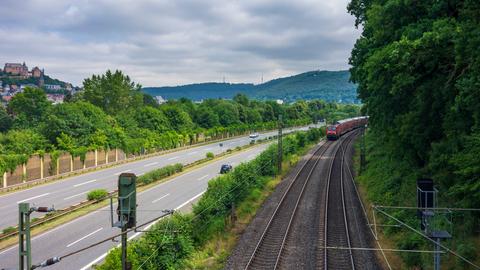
{"x": 253, "y": 135}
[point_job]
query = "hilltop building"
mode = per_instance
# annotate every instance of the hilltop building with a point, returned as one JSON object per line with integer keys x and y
{"x": 16, "y": 69}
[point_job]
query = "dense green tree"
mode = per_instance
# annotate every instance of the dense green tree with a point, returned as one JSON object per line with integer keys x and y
{"x": 227, "y": 113}
{"x": 417, "y": 66}
{"x": 79, "y": 120}
{"x": 28, "y": 107}
{"x": 5, "y": 120}
{"x": 179, "y": 120}
{"x": 113, "y": 92}
{"x": 206, "y": 118}
{"x": 152, "y": 119}
{"x": 24, "y": 141}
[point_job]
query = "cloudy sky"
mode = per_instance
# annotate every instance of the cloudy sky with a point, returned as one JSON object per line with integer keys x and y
{"x": 160, "y": 42}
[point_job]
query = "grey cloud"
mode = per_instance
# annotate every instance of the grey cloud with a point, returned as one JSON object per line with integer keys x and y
{"x": 176, "y": 42}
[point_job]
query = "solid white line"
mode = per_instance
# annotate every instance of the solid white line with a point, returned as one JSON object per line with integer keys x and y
{"x": 251, "y": 156}
{"x": 101, "y": 257}
{"x": 210, "y": 148}
{"x": 203, "y": 177}
{"x": 172, "y": 158}
{"x": 156, "y": 200}
{"x": 192, "y": 153}
{"x": 189, "y": 201}
{"x": 39, "y": 196}
{"x": 75, "y": 195}
{"x": 123, "y": 172}
{"x": 84, "y": 183}
{"x": 150, "y": 164}
{"x": 90, "y": 234}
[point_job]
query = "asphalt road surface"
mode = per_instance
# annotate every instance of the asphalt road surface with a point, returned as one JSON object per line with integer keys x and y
{"x": 72, "y": 190}
{"x": 177, "y": 193}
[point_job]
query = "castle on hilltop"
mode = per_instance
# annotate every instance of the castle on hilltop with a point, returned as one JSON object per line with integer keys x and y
{"x": 21, "y": 70}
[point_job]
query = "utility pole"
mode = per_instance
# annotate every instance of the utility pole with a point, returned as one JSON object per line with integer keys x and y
{"x": 24, "y": 238}
{"x": 279, "y": 144}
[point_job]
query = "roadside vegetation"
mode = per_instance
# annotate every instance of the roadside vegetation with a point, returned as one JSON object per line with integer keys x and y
{"x": 204, "y": 238}
{"x": 111, "y": 112}
{"x": 417, "y": 66}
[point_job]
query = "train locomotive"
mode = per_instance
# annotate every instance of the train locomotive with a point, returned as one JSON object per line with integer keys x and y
{"x": 343, "y": 126}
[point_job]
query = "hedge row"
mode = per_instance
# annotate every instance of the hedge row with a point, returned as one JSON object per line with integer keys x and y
{"x": 159, "y": 174}
{"x": 173, "y": 239}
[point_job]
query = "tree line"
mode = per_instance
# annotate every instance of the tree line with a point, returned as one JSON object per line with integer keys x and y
{"x": 417, "y": 66}
{"x": 112, "y": 112}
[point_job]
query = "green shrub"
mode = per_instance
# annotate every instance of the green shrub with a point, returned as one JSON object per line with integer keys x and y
{"x": 97, "y": 194}
{"x": 159, "y": 174}
{"x": 210, "y": 155}
{"x": 9, "y": 230}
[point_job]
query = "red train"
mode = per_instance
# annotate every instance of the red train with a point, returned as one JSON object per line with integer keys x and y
{"x": 343, "y": 126}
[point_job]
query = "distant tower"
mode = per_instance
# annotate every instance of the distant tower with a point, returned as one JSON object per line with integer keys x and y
{"x": 41, "y": 81}
{"x": 262, "y": 77}
{"x": 223, "y": 78}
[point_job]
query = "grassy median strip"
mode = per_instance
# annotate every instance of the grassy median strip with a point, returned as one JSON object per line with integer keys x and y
{"x": 145, "y": 182}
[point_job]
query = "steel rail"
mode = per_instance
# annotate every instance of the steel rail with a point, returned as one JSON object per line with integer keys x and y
{"x": 325, "y": 146}
{"x": 325, "y": 257}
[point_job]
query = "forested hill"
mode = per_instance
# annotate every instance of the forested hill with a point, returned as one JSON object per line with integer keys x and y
{"x": 326, "y": 85}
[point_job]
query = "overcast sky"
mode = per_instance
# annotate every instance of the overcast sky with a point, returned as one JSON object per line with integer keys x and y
{"x": 176, "y": 42}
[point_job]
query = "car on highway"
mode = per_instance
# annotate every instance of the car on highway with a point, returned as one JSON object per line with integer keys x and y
{"x": 253, "y": 135}
{"x": 225, "y": 168}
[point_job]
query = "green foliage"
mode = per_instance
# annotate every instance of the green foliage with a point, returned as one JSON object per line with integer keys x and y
{"x": 97, "y": 194}
{"x": 9, "y": 230}
{"x": 114, "y": 92}
{"x": 210, "y": 155}
{"x": 417, "y": 66}
{"x": 159, "y": 174}
{"x": 5, "y": 120}
{"x": 28, "y": 107}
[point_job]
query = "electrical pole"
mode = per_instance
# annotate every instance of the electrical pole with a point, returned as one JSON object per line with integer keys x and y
{"x": 362, "y": 151}
{"x": 279, "y": 144}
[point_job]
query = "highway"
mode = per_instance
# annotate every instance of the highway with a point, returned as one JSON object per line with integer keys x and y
{"x": 72, "y": 190}
{"x": 177, "y": 193}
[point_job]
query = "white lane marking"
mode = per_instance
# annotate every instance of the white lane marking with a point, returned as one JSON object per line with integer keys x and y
{"x": 190, "y": 200}
{"x": 84, "y": 183}
{"x": 156, "y": 200}
{"x": 123, "y": 172}
{"x": 140, "y": 174}
{"x": 251, "y": 156}
{"x": 101, "y": 257}
{"x": 203, "y": 177}
{"x": 36, "y": 197}
{"x": 150, "y": 164}
{"x": 210, "y": 148}
{"x": 172, "y": 158}
{"x": 75, "y": 195}
{"x": 90, "y": 234}
{"x": 192, "y": 153}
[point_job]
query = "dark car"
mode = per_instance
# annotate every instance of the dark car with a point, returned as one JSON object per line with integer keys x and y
{"x": 225, "y": 168}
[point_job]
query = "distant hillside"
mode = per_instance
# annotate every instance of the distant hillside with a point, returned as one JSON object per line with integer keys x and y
{"x": 201, "y": 90}
{"x": 326, "y": 85}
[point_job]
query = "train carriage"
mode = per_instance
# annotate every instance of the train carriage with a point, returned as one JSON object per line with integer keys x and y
{"x": 343, "y": 126}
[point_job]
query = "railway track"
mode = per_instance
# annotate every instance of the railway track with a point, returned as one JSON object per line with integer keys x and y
{"x": 269, "y": 248}
{"x": 336, "y": 228}
{"x": 333, "y": 226}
